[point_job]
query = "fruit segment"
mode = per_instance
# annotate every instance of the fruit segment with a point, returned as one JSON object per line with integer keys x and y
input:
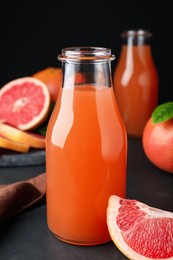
{"x": 141, "y": 232}
{"x": 28, "y": 139}
{"x": 12, "y": 145}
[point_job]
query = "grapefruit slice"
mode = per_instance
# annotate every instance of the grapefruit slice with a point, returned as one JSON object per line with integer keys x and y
{"x": 24, "y": 103}
{"x": 26, "y": 138}
{"x": 139, "y": 231}
{"x": 11, "y": 145}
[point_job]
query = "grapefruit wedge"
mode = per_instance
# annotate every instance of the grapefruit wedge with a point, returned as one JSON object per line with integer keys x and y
{"x": 26, "y": 138}
{"x": 24, "y": 103}
{"x": 139, "y": 231}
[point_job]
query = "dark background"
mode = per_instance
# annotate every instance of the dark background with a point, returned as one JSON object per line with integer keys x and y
{"x": 32, "y": 33}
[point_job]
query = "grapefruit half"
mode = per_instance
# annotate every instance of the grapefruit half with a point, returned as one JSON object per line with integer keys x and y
{"x": 24, "y": 103}
{"x": 139, "y": 231}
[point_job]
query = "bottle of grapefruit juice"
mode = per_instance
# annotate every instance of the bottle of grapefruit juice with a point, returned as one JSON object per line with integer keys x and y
{"x": 86, "y": 149}
{"x": 136, "y": 81}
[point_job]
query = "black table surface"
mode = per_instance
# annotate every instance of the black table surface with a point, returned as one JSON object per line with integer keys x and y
{"x": 26, "y": 236}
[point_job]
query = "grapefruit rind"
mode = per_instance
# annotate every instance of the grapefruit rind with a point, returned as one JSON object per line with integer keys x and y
{"x": 29, "y": 139}
{"x": 52, "y": 77}
{"x": 157, "y": 141}
{"x": 37, "y": 119}
{"x": 12, "y": 145}
{"x": 117, "y": 234}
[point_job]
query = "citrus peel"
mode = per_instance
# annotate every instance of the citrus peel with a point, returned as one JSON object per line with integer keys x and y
{"x": 139, "y": 231}
{"x": 12, "y": 145}
{"x": 26, "y": 138}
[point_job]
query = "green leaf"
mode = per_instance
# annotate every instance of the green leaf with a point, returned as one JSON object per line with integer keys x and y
{"x": 41, "y": 130}
{"x": 162, "y": 112}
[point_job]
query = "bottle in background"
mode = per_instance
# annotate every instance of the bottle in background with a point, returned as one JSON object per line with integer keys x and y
{"x": 135, "y": 81}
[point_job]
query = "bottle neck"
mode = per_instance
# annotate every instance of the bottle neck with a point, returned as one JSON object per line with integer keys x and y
{"x": 82, "y": 74}
{"x": 136, "y": 38}
{"x": 136, "y": 48}
{"x": 93, "y": 63}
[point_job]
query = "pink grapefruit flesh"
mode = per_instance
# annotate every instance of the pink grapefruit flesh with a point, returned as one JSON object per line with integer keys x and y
{"x": 24, "y": 103}
{"x": 139, "y": 231}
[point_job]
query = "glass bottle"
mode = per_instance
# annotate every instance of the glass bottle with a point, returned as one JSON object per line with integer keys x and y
{"x": 135, "y": 81}
{"x": 86, "y": 148}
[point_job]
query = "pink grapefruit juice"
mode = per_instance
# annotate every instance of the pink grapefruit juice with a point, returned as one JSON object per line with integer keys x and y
{"x": 136, "y": 87}
{"x": 86, "y": 148}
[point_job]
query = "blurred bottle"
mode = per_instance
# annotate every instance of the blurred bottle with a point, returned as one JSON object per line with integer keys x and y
{"x": 135, "y": 81}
